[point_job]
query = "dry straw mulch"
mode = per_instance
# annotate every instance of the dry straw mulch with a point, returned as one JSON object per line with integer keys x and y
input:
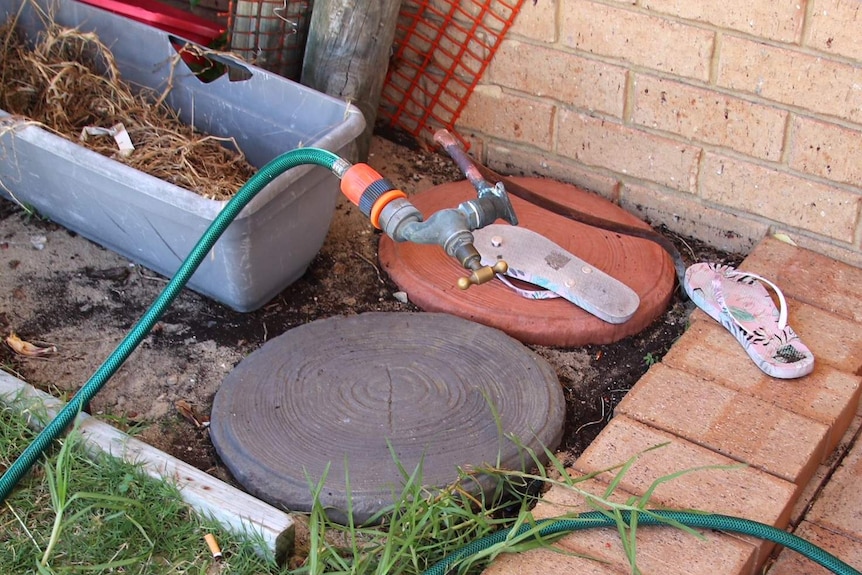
{"x": 69, "y": 80}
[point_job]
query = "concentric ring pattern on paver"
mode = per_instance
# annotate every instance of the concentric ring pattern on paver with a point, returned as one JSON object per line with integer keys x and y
{"x": 345, "y": 397}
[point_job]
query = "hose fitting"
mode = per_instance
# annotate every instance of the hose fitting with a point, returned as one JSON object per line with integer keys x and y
{"x": 389, "y": 209}
{"x": 368, "y": 190}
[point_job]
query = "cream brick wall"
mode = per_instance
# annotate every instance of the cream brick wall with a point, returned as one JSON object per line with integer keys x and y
{"x": 725, "y": 120}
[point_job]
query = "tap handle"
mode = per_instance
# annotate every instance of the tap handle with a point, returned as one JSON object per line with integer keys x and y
{"x": 483, "y": 274}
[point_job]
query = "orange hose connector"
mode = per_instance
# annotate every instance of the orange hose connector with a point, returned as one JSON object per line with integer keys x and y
{"x": 366, "y": 188}
{"x": 357, "y": 179}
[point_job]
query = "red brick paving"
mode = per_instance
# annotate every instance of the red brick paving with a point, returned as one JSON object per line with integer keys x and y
{"x": 789, "y": 451}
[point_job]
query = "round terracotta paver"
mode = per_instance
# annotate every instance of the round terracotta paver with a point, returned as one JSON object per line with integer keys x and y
{"x": 352, "y": 394}
{"x": 429, "y": 276}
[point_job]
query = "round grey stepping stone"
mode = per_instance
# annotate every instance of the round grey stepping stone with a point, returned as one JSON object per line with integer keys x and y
{"x": 354, "y": 394}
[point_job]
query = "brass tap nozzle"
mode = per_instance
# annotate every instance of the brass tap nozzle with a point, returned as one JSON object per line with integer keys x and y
{"x": 483, "y": 274}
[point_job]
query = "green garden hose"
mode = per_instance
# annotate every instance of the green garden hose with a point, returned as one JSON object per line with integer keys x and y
{"x": 647, "y": 518}
{"x": 61, "y": 421}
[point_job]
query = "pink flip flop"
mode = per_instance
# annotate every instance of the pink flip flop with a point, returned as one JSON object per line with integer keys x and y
{"x": 739, "y": 301}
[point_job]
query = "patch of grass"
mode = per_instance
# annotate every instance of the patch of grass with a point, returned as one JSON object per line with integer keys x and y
{"x": 425, "y": 527}
{"x": 420, "y": 529}
{"x": 76, "y": 514}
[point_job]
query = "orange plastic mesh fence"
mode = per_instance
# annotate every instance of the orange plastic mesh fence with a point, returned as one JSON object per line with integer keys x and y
{"x": 442, "y": 50}
{"x": 270, "y": 33}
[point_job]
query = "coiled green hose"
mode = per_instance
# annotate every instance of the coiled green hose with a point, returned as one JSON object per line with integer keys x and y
{"x": 652, "y": 517}
{"x": 255, "y": 184}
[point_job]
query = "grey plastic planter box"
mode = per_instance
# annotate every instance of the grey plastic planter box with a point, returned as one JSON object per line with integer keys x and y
{"x": 155, "y": 223}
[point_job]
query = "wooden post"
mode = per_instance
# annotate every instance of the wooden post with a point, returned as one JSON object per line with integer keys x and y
{"x": 347, "y": 54}
{"x": 236, "y": 510}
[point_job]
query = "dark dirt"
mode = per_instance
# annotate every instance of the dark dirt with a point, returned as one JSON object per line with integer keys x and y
{"x": 82, "y": 298}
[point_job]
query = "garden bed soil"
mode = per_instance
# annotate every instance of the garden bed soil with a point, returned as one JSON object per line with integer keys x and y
{"x": 59, "y": 289}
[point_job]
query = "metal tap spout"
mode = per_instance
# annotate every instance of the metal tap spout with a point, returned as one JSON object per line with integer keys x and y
{"x": 451, "y": 228}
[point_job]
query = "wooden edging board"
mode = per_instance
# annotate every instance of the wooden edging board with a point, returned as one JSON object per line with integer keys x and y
{"x": 234, "y": 509}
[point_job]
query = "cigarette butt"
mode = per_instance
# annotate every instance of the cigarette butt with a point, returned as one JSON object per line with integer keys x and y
{"x": 213, "y": 545}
